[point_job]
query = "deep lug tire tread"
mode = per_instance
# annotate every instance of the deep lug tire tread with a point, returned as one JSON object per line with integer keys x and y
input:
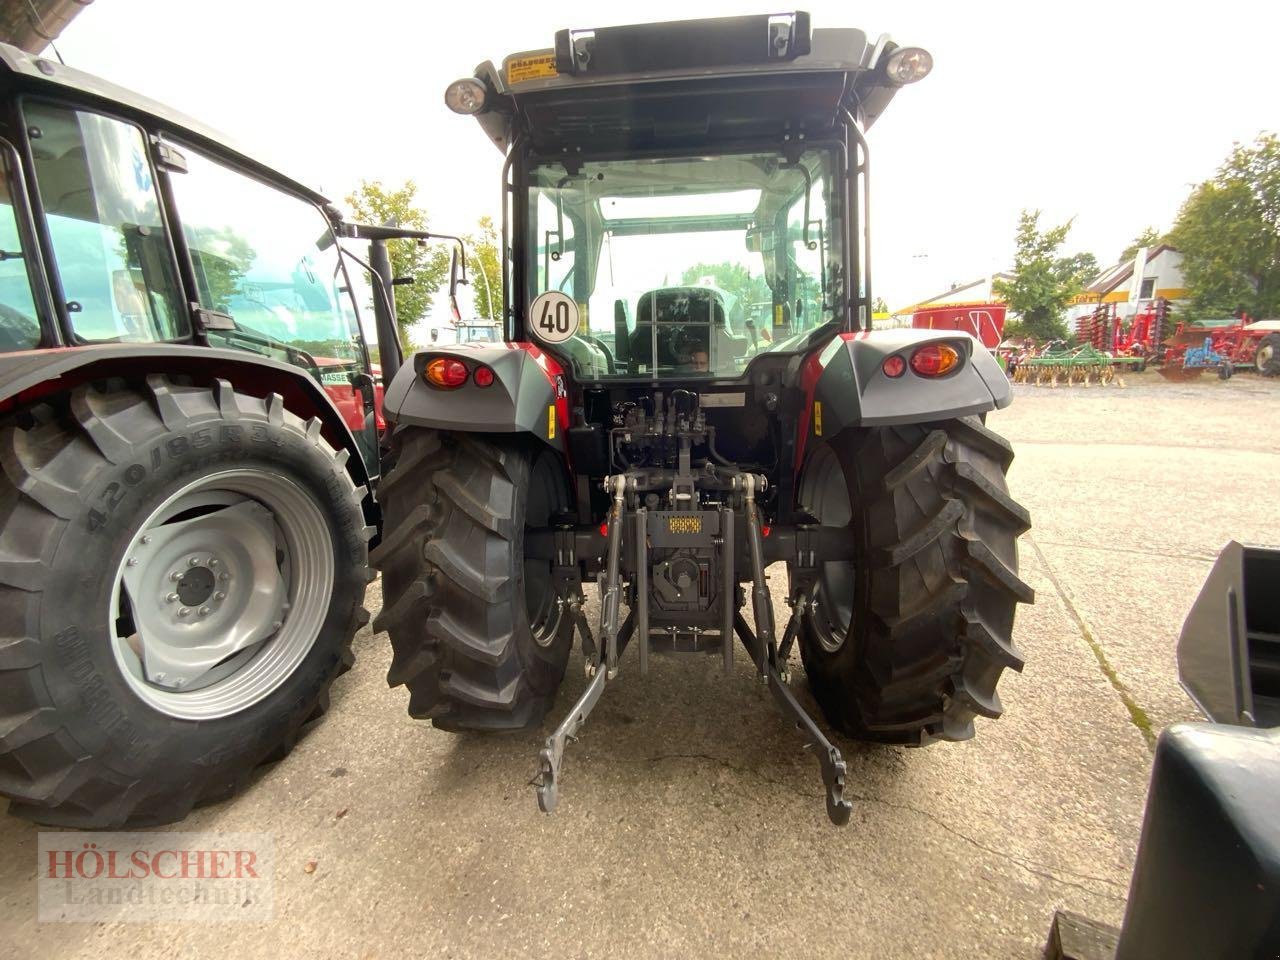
{"x": 933, "y": 613}
{"x": 49, "y": 457}
{"x": 450, "y": 562}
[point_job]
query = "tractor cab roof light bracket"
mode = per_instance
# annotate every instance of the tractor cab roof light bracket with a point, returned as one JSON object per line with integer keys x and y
{"x": 691, "y": 45}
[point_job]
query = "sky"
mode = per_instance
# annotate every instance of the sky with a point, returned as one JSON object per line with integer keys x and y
{"x": 1107, "y": 113}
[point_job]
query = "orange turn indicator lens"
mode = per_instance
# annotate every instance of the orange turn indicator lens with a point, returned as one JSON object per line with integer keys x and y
{"x": 446, "y": 373}
{"x": 934, "y": 360}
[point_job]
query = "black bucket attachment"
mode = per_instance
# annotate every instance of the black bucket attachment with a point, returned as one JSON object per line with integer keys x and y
{"x": 1207, "y": 882}
{"x": 1229, "y": 651}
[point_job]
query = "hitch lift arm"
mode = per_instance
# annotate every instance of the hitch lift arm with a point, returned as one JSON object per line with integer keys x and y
{"x": 606, "y": 663}
{"x": 602, "y": 659}
{"x": 764, "y": 652}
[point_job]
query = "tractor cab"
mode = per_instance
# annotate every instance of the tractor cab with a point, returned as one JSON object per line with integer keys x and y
{"x": 687, "y": 194}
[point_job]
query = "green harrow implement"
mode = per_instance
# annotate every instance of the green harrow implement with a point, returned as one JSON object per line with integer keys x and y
{"x": 1072, "y": 365}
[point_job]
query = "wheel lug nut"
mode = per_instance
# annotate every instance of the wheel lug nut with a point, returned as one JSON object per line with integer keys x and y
{"x": 224, "y": 577}
{"x": 193, "y": 562}
{"x": 146, "y": 539}
{"x": 213, "y": 561}
{"x": 171, "y": 598}
{"x": 131, "y": 562}
{"x": 175, "y": 576}
{"x": 184, "y": 612}
{"x": 204, "y": 611}
{"x": 219, "y": 595}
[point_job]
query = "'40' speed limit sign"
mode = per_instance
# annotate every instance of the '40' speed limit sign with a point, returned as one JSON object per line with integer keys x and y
{"x": 553, "y": 316}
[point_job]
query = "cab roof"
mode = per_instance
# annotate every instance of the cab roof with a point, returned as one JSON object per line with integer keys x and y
{"x": 687, "y": 82}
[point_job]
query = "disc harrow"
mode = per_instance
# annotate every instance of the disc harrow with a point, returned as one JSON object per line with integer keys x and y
{"x": 1073, "y": 366}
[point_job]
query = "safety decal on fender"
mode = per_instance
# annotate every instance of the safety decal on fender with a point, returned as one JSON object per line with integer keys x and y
{"x": 551, "y": 422}
{"x": 553, "y": 317}
{"x": 817, "y": 418}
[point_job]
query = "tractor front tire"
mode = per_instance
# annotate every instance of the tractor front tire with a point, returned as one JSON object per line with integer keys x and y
{"x": 905, "y": 644}
{"x": 477, "y": 633}
{"x": 182, "y": 570}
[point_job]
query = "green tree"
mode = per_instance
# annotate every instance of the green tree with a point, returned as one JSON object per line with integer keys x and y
{"x": 484, "y": 270}
{"x": 428, "y": 264}
{"x": 1228, "y": 232}
{"x": 879, "y": 306}
{"x": 1043, "y": 281}
{"x": 1149, "y": 237}
{"x": 732, "y": 278}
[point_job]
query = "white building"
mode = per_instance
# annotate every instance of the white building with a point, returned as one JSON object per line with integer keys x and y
{"x": 1161, "y": 278}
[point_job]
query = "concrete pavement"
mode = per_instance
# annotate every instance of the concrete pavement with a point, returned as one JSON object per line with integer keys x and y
{"x": 692, "y": 823}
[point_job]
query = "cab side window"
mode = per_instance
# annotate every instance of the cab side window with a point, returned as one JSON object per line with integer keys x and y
{"x": 267, "y": 260}
{"x": 103, "y": 217}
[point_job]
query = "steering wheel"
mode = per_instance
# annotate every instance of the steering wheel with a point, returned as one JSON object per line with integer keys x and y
{"x": 684, "y": 343}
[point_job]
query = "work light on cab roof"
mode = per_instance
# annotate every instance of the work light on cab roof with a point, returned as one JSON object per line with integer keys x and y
{"x": 909, "y": 65}
{"x": 465, "y": 96}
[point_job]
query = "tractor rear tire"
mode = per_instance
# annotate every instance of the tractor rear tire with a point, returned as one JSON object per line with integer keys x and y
{"x": 906, "y": 643}
{"x": 477, "y": 634}
{"x": 154, "y": 482}
{"x": 1267, "y": 360}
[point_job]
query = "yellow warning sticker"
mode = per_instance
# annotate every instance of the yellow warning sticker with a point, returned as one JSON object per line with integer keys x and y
{"x": 551, "y": 422}
{"x": 530, "y": 66}
{"x": 817, "y": 418}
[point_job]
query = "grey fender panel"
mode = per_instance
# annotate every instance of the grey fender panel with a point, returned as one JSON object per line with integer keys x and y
{"x": 516, "y": 402}
{"x": 28, "y": 369}
{"x": 854, "y": 390}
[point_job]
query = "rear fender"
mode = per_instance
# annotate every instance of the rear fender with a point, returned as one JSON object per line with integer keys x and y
{"x": 845, "y": 384}
{"x": 32, "y": 375}
{"x": 528, "y": 394}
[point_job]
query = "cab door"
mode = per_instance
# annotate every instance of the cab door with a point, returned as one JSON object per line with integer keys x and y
{"x": 270, "y": 279}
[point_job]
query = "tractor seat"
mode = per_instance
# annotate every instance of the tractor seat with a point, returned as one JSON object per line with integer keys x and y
{"x": 685, "y": 318}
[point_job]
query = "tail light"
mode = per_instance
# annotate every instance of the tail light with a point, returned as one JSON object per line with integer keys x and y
{"x": 894, "y": 366}
{"x": 483, "y": 377}
{"x": 935, "y": 359}
{"x": 446, "y": 373}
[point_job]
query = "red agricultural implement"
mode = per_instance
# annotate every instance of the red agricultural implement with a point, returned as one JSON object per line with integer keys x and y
{"x": 1141, "y": 337}
{"x": 1239, "y": 343}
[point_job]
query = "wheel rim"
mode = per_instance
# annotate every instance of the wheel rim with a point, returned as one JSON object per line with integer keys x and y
{"x": 221, "y": 594}
{"x": 1262, "y": 360}
{"x": 831, "y": 602}
{"x": 541, "y": 604}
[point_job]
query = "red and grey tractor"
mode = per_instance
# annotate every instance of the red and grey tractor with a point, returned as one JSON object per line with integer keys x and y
{"x": 189, "y": 429}
{"x": 689, "y": 392}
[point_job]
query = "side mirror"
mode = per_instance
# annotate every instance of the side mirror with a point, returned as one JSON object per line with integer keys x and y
{"x": 457, "y": 275}
{"x": 453, "y": 287}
